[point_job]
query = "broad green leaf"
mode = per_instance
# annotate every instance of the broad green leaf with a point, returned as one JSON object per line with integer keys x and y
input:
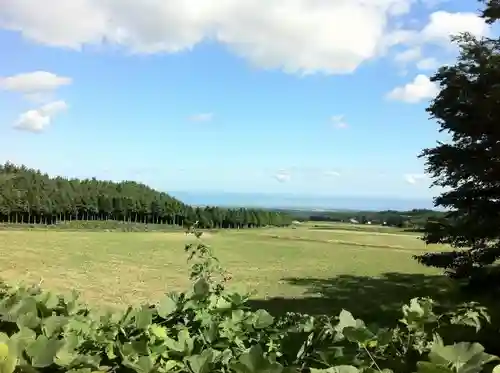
{"x": 49, "y": 300}
{"x": 201, "y": 288}
{"x": 237, "y": 316}
{"x": 173, "y": 345}
{"x": 8, "y": 359}
{"x": 23, "y": 338}
{"x": 159, "y": 331}
{"x": 143, "y": 317}
{"x": 43, "y": 351}
{"x": 211, "y": 332}
{"x": 359, "y": 335}
{"x": 384, "y": 337}
{"x": 25, "y": 306}
{"x": 463, "y": 356}
{"x": 110, "y": 350}
{"x": 169, "y": 365}
{"x": 222, "y": 303}
{"x": 140, "y": 347}
{"x": 79, "y": 325}
{"x": 28, "y": 320}
{"x": 4, "y": 351}
{"x": 65, "y": 357}
{"x": 186, "y": 341}
{"x": 419, "y": 310}
{"x": 347, "y": 320}
{"x": 254, "y": 361}
{"x": 428, "y": 367}
{"x": 262, "y": 319}
{"x": 53, "y": 325}
{"x": 145, "y": 364}
{"x": 166, "y": 307}
{"x": 201, "y": 363}
{"x": 89, "y": 360}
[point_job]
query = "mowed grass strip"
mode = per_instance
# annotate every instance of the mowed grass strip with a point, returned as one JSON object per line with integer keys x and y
{"x": 115, "y": 268}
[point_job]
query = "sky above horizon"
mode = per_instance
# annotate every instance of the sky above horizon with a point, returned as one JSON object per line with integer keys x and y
{"x": 311, "y": 97}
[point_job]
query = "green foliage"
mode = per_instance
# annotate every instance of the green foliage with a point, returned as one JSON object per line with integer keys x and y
{"x": 29, "y": 197}
{"x": 209, "y": 329}
{"x": 414, "y": 219}
{"x": 467, "y": 166}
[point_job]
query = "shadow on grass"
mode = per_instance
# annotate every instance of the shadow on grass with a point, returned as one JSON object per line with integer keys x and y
{"x": 379, "y": 300}
{"x": 373, "y": 299}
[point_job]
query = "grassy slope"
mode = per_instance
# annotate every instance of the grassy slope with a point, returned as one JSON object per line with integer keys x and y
{"x": 299, "y": 269}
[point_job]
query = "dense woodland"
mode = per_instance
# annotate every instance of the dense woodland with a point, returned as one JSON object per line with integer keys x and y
{"x": 29, "y": 196}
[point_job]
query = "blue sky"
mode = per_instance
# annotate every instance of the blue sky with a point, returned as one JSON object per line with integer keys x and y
{"x": 309, "y": 97}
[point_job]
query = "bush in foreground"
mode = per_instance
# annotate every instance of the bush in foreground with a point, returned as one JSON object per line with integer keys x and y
{"x": 209, "y": 329}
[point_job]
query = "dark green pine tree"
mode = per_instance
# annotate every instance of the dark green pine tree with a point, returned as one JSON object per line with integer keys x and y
{"x": 467, "y": 108}
{"x": 28, "y": 196}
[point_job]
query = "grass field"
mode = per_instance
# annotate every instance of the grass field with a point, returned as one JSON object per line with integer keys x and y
{"x": 303, "y": 269}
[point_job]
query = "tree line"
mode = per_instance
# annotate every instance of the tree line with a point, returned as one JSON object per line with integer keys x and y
{"x": 415, "y": 219}
{"x": 30, "y": 196}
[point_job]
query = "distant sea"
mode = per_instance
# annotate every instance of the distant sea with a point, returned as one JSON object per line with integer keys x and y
{"x": 300, "y": 202}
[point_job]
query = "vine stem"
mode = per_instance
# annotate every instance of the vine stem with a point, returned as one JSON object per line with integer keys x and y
{"x": 371, "y": 357}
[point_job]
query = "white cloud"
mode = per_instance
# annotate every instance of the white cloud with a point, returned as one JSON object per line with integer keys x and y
{"x": 36, "y": 120}
{"x": 339, "y": 121}
{"x": 429, "y": 63}
{"x": 440, "y": 27}
{"x": 33, "y": 83}
{"x": 202, "y": 117}
{"x": 299, "y": 36}
{"x": 438, "y": 30}
{"x": 421, "y": 88}
{"x": 444, "y": 24}
{"x": 414, "y": 178}
{"x": 283, "y": 176}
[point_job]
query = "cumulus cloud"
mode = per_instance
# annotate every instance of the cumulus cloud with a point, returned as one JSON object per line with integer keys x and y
{"x": 201, "y": 117}
{"x": 443, "y": 24}
{"x": 36, "y": 120}
{"x": 283, "y": 176}
{"x": 339, "y": 121}
{"x": 37, "y": 86}
{"x": 414, "y": 178}
{"x": 420, "y": 89}
{"x": 298, "y": 36}
{"x": 35, "y": 82}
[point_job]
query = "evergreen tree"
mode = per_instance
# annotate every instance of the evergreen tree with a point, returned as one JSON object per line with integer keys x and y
{"x": 467, "y": 108}
{"x": 28, "y": 196}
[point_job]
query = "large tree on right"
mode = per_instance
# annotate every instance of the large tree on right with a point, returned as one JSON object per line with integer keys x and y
{"x": 467, "y": 165}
